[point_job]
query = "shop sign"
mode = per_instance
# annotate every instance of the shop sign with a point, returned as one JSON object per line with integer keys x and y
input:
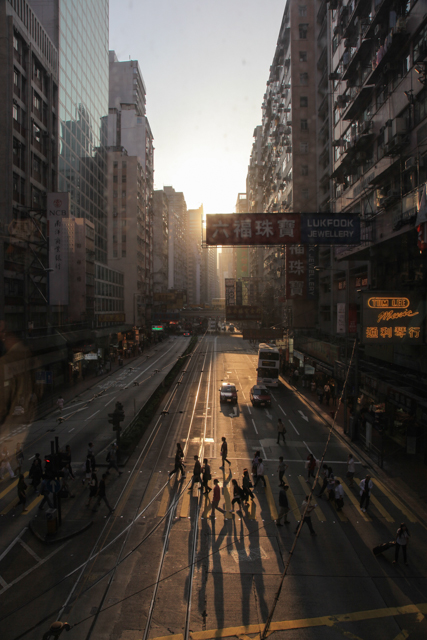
{"x": 299, "y": 355}
{"x": 243, "y": 312}
{"x": 391, "y": 318}
{"x": 78, "y": 356}
{"x": 91, "y": 356}
{"x": 309, "y": 370}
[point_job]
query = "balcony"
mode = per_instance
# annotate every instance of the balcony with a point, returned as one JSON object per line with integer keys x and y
{"x": 360, "y": 98}
{"x": 358, "y": 58}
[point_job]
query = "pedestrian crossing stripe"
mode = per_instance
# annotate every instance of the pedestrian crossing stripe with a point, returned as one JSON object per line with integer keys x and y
{"x": 11, "y": 486}
{"x": 185, "y": 505}
{"x": 270, "y": 500}
{"x": 295, "y": 512}
{"x": 318, "y": 511}
{"x": 409, "y": 515}
{"x": 164, "y": 501}
{"x": 227, "y": 501}
{"x": 385, "y": 514}
{"x": 10, "y": 506}
{"x": 148, "y": 492}
{"x": 208, "y": 507}
{"x": 33, "y": 504}
{"x": 354, "y": 500}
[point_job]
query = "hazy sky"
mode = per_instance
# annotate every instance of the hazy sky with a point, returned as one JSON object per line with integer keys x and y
{"x": 205, "y": 64}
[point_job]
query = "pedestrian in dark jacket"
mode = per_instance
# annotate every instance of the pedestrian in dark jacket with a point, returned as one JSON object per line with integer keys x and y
{"x": 112, "y": 460}
{"x": 36, "y": 472}
{"x": 237, "y": 495}
{"x": 179, "y": 462}
{"x": 45, "y": 492}
{"x": 93, "y": 488}
{"x": 224, "y": 452}
{"x": 246, "y": 486}
{"x": 197, "y": 472}
{"x": 101, "y": 495}
{"x": 310, "y": 466}
{"x": 206, "y": 476}
{"x": 22, "y": 487}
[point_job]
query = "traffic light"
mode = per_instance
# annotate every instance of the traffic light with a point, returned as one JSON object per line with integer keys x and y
{"x": 49, "y": 468}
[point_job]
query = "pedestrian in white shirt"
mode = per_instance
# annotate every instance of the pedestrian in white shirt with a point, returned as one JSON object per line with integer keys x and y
{"x": 402, "y": 537}
{"x": 351, "y": 469}
{"x": 307, "y": 517}
{"x": 366, "y": 487}
{"x": 339, "y": 495}
{"x": 260, "y": 473}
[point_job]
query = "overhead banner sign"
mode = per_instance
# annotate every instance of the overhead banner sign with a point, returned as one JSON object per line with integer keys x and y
{"x": 58, "y": 212}
{"x": 244, "y": 312}
{"x": 281, "y": 228}
{"x": 391, "y": 318}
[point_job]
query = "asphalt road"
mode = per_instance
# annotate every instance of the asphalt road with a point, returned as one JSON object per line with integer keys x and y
{"x": 160, "y": 568}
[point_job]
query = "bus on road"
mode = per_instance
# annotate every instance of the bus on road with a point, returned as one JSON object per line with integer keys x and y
{"x": 268, "y": 365}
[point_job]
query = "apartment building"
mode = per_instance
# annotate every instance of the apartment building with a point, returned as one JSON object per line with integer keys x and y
{"x": 160, "y": 241}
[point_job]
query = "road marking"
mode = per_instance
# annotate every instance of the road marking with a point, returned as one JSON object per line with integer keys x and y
{"x": 308, "y": 448}
{"x": 292, "y": 424}
{"x": 164, "y": 502}
{"x": 385, "y": 514}
{"x": 33, "y": 504}
{"x": 93, "y": 414}
{"x": 208, "y": 507}
{"x": 10, "y": 506}
{"x": 270, "y": 499}
{"x": 303, "y": 416}
{"x": 71, "y": 430}
{"x": 11, "y": 486}
{"x": 252, "y": 512}
{"x": 30, "y": 551}
{"x": 185, "y": 506}
{"x": 269, "y": 416}
{"x": 354, "y": 500}
{"x": 292, "y": 502}
{"x": 26, "y": 573}
{"x": 253, "y": 422}
{"x": 149, "y": 491}
{"x": 304, "y": 623}
{"x": 409, "y": 515}
{"x": 282, "y": 410}
{"x": 318, "y": 511}
{"x": 249, "y": 409}
{"x": 110, "y": 401}
{"x": 12, "y": 544}
{"x": 227, "y": 501}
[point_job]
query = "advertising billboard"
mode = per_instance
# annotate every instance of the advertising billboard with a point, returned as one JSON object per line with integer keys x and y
{"x": 227, "y": 229}
{"x": 393, "y": 317}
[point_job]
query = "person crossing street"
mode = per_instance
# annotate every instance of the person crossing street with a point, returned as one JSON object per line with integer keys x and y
{"x": 224, "y": 452}
{"x": 281, "y": 430}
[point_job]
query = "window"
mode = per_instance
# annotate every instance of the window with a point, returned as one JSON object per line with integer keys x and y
{"x": 114, "y": 253}
{"x": 303, "y": 29}
{"x": 124, "y": 178}
{"x": 36, "y": 102}
{"x": 15, "y": 78}
{"x": 304, "y": 125}
{"x": 123, "y": 253}
{"x": 15, "y": 113}
{"x": 303, "y": 147}
{"x": 303, "y": 56}
{"x": 123, "y": 237}
{"x": 302, "y": 11}
{"x": 124, "y": 164}
{"x": 304, "y": 169}
{"x": 303, "y": 101}
{"x": 304, "y": 194}
{"x": 115, "y": 164}
{"x": 123, "y": 194}
{"x": 114, "y": 178}
{"x": 303, "y": 79}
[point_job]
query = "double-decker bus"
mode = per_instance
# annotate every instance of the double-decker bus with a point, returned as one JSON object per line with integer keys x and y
{"x": 268, "y": 365}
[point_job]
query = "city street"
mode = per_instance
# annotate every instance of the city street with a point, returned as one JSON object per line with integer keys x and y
{"x": 159, "y": 567}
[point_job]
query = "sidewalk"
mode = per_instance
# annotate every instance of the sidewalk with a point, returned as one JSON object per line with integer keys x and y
{"x": 405, "y": 474}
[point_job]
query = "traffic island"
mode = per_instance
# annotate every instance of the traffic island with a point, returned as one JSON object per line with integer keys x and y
{"x": 47, "y": 530}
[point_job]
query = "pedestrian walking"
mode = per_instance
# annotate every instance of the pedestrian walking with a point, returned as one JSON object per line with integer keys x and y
{"x": 402, "y": 539}
{"x": 327, "y": 392}
{"x": 281, "y": 471}
{"x": 326, "y": 473}
{"x": 90, "y": 449}
{"x": 19, "y": 457}
{"x": 60, "y": 403}
{"x": 331, "y": 488}
{"x": 224, "y": 452}
{"x": 179, "y": 462}
{"x": 216, "y": 496}
{"x": 320, "y": 393}
{"x": 197, "y": 472}
{"x": 237, "y": 495}
{"x": 310, "y": 465}
{"x": 351, "y": 469}
{"x": 101, "y": 495}
{"x": 5, "y": 463}
{"x": 88, "y": 470}
{"x": 339, "y": 495}
{"x": 366, "y": 486}
{"x": 93, "y": 488}
{"x": 307, "y": 517}
{"x": 112, "y": 459}
{"x": 22, "y": 488}
{"x": 206, "y": 476}
{"x": 255, "y": 461}
{"x": 283, "y": 505}
{"x": 246, "y": 487}
{"x": 36, "y": 472}
{"x": 281, "y": 430}
{"x": 68, "y": 460}
{"x": 45, "y": 492}
{"x": 260, "y": 473}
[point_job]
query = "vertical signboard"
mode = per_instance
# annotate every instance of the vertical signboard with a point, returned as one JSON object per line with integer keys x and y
{"x": 230, "y": 296}
{"x": 58, "y": 212}
{"x": 341, "y": 317}
{"x": 296, "y": 272}
{"x": 311, "y": 272}
{"x": 239, "y": 293}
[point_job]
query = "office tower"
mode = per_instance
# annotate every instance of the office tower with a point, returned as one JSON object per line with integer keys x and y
{"x": 130, "y": 201}
{"x": 177, "y": 239}
{"x": 160, "y": 242}
{"x": 194, "y": 254}
{"x": 28, "y": 162}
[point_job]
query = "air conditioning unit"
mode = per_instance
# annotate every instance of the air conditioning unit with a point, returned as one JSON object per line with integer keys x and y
{"x": 410, "y": 163}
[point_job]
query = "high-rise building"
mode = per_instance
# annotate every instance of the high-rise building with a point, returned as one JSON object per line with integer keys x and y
{"x": 130, "y": 161}
{"x": 177, "y": 239}
{"x": 160, "y": 241}
{"x": 79, "y": 30}
{"x": 194, "y": 254}
{"x": 28, "y": 164}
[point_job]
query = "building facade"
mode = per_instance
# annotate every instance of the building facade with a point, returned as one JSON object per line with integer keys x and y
{"x": 160, "y": 241}
{"x": 194, "y": 254}
{"x": 177, "y": 239}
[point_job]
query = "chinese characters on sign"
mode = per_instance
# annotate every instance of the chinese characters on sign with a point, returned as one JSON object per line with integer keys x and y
{"x": 391, "y": 318}
{"x": 230, "y": 291}
{"x": 244, "y": 312}
{"x": 296, "y": 271}
{"x": 279, "y": 228}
